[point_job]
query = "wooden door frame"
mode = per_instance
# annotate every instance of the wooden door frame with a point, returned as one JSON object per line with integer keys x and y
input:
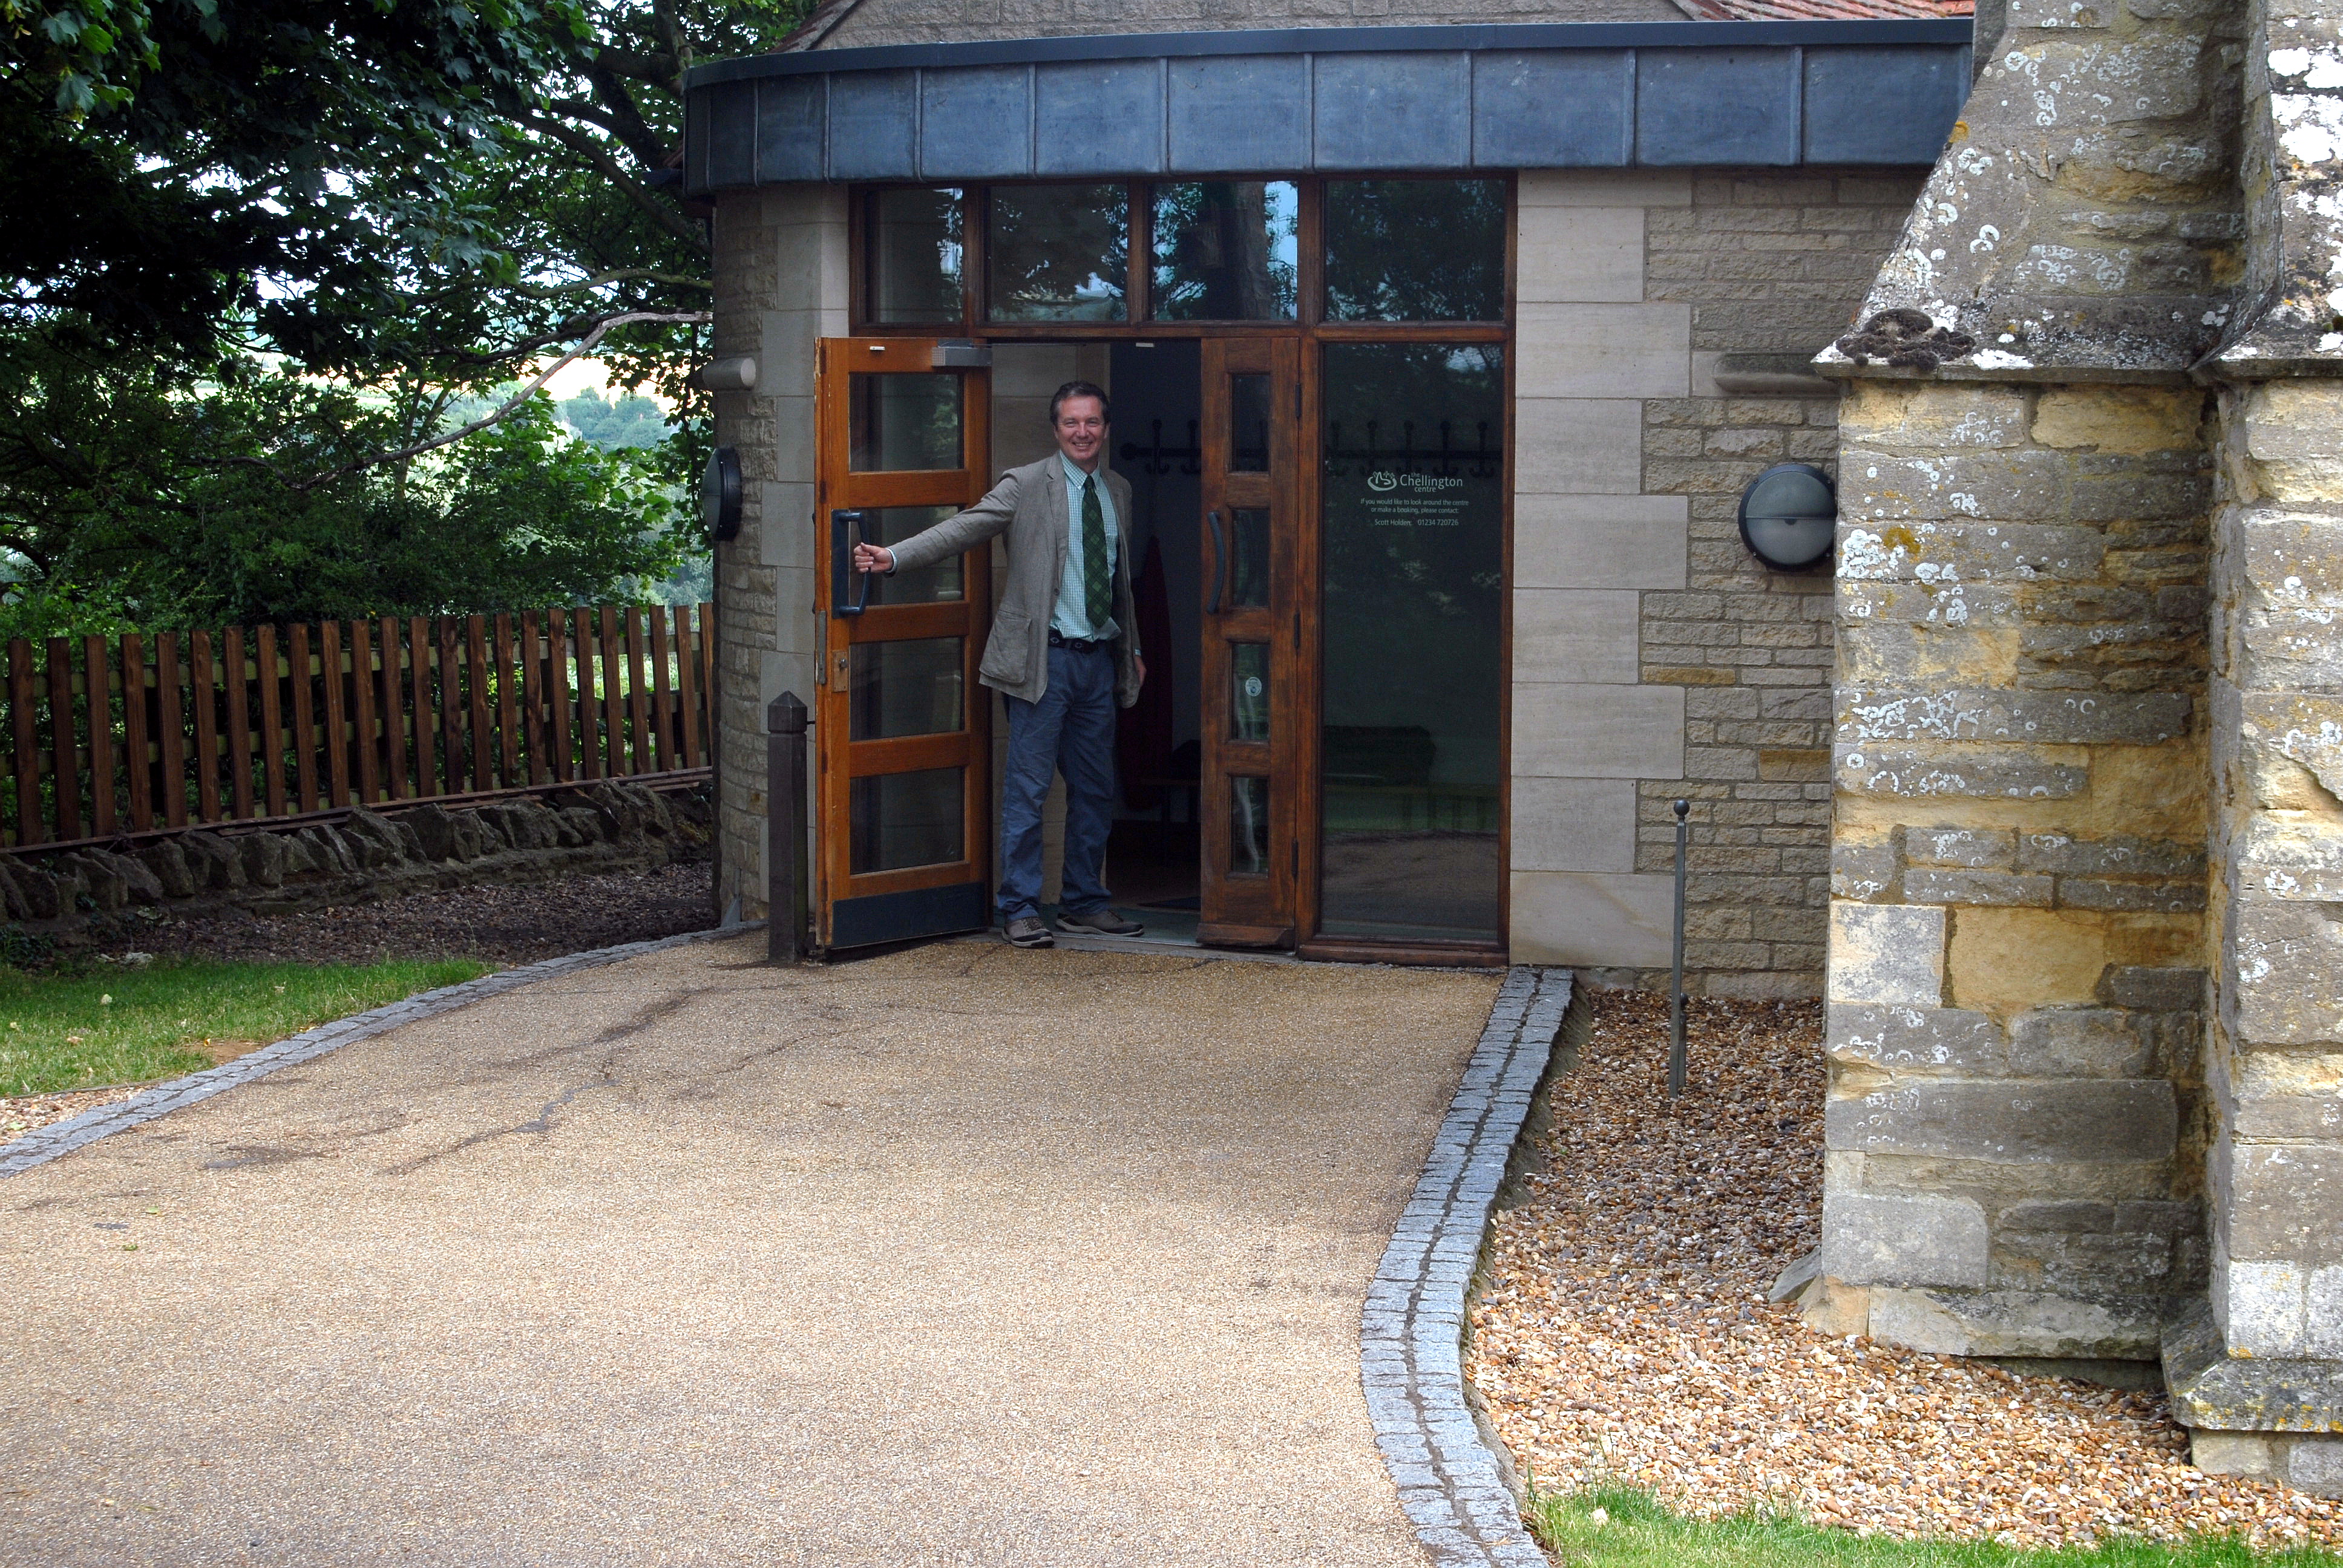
{"x": 838, "y": 760}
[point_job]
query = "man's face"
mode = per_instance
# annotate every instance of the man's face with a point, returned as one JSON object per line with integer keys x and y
{"x": 1081, "y": 429}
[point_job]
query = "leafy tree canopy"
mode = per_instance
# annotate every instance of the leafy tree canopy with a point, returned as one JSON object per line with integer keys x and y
{"x": 261, "y": 249}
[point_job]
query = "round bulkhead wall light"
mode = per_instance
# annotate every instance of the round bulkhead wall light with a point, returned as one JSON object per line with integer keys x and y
{"x": 719, "y": 493}
{"x": 1789, "y": 514}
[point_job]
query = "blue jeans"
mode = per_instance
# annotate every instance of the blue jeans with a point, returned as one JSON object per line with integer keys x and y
{"x": 1071, "y": 731}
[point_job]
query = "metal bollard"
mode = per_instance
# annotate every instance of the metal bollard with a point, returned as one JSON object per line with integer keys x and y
{"x": 1676, "y": 993}
{"x": 785, "y": 849}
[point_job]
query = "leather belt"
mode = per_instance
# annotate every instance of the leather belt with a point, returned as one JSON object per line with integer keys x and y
{"x": 1078, "y": 644}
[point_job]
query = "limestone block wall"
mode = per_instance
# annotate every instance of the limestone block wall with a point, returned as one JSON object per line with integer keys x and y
{"x": 2017, "y": 1119}
{"x": 1654, "y": 657}
{"x": 780, "y": 271}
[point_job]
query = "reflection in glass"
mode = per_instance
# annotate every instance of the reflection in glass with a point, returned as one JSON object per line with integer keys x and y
{"x": 1249, "y": 546}
{"x": 1226, "y": 250}
{"x": 902, "y": 422}
{"x": 912, "y": 238}
{"x": 1416, "y": 250}
{"x": 1057, "y": 253}
{"x": 1249, "y": 692}
{"x": 907, "y": 687}
{"x": 941, "y": 583}
{"x": 1249, "y": 826}
{"x": 1249, "y": 424}
{"x": 898, "y": 819}
{"x": 1411, "y": 754}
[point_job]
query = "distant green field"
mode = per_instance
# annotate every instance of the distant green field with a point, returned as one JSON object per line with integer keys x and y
{"x": 132, "y": 1025}
{"x": 1634, "y": 1531}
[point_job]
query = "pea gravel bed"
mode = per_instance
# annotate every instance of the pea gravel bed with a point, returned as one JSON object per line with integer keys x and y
{"x": 1623, "y": 1333}
{"x": 504, "y": 925}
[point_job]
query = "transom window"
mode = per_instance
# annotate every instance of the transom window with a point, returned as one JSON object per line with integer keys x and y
{"x": 1301, "y": 251}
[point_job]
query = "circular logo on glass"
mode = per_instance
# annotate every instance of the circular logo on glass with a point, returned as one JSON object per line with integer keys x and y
{"x": 1252, "y": 686}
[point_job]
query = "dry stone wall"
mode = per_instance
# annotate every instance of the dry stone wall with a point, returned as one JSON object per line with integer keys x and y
{"x": 97, "y": 894}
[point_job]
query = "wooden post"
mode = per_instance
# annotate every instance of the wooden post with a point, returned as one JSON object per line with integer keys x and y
{"x": 687, "y": 686}
{"x": 207, "y": 700}
{"x": 239, "y": 723}
{"x": 337, "y": 735}
{"x": 614, "y": 713}
{"x": 589, "y": 756}
{"x": 141, "y": 770}
{"x": 173, "y": 714}
{"x": 64, "y": 768}
{"x": 22, "y": 719}
{"x": 476, "y": 692}
{"x": 272, "y": 722}
{"x": 419, "y": 677}
{"x": 304, "y": 719}
{"x": 97, "y": 681}
{"x": 785, "y": 843}
{"x": 507, "y": 706}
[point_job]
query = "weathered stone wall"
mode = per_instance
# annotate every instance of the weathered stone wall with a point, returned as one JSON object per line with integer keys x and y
{"x": 2070, "y": 677}
{"x": 364, "y": 855}
{"x": 781, "y": 272}
{"x": 2014, "y": 1128}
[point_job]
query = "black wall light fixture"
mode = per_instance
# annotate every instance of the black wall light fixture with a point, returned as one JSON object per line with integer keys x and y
{"x": 1788, "y": 516}
{"x": 719, "y": 493}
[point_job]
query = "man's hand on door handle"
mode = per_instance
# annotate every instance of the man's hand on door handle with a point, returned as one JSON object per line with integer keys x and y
{"x": 873, "y": 558}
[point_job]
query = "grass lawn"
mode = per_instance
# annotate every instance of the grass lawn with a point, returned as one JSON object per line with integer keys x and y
{"x": 83, "y": 1028}
{"x": 1639, "y": 1533}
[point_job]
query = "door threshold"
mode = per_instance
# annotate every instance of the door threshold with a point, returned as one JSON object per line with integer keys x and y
{"x": 1150, "y": 946}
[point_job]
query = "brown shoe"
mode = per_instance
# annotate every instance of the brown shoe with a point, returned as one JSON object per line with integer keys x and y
{"x": 1028, "y": 932}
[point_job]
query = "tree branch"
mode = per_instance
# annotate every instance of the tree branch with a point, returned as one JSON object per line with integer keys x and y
{"x": 625, "y": 275}
{"x": 516, "y": 400}
{"x": 594, "y": 153}
{"x": 629, "y": 126}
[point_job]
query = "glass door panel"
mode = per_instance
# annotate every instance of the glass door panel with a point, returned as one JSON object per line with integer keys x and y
{"x": 1412, "y": 738}
{"x": 1252, "y": 630}
{"x": 903, "y": 799}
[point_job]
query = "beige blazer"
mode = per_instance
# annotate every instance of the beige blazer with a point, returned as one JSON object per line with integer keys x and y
{"x": 1029, "y": 504}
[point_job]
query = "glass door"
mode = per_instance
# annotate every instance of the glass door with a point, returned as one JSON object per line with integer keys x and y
{"x": 901, "y": 734}
{"x": 1252, "y": 636}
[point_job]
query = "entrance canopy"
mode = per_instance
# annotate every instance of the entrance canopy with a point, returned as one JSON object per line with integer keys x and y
{"x": 1565, "y": 95}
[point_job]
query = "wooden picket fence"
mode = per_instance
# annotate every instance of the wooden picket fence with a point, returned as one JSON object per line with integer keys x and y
{"x": 137, "y": 733}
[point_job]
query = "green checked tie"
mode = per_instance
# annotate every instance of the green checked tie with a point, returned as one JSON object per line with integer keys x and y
{"x": 1097, "y": 577}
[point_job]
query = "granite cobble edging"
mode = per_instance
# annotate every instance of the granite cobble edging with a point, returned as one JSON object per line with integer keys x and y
{"x": 65, "y": 1137}
{"x": 1455, "y": 1487}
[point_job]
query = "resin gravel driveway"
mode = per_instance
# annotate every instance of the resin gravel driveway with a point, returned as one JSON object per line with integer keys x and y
{"x": 963, "y": 1255}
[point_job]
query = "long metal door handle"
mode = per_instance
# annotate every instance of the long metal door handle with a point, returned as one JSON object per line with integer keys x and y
{"x": 1213, "y": 605}
{"x": 845, "y": 533}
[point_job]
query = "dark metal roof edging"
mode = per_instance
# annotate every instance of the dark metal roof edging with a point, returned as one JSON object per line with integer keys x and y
{"x": 1470, "y": 37}
{"x": 1147, "y": 105}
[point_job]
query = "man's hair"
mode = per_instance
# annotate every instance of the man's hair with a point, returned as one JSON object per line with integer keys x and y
{"x": 1081, "y": 389}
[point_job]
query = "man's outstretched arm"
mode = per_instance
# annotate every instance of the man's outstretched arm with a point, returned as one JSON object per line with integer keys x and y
{"x": 960, "y": 532}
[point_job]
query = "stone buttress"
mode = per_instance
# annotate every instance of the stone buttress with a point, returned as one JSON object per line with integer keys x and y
{"x": 2086, "y": 967}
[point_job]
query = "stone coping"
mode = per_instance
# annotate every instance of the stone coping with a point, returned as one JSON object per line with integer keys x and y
{"x": 1456, "y": 1487}
{"x": 63, "y": 1136}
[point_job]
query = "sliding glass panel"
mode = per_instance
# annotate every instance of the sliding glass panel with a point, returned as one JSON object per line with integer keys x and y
{"x": 1412, "y": 753}
{"x": 1226, "y": 250}
{"x": 941, "y": 583}
{"x": 1059, "y": 253}
{"x": 896, "y": 423}
{"x": 1249, "y": 826}
{"x": 1416, "y": 250}
{"x": 907, "y": 687}
{"x": 912, "y": 240}
{"x": 900, "y": 819}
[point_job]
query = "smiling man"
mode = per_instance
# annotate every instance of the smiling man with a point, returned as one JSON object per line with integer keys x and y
{"x": 1064, "y": 652}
